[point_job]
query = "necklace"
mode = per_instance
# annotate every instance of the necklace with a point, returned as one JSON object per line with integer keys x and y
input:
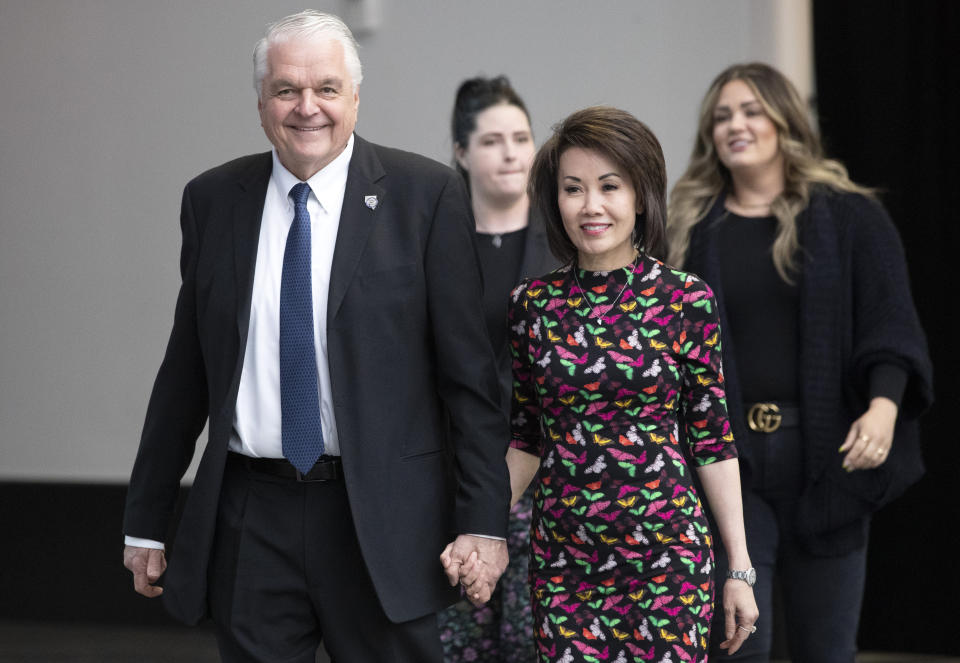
{"x": 496, "y": 233}
{"x": 593, "y": 309}
{"x": 496, "y": 239}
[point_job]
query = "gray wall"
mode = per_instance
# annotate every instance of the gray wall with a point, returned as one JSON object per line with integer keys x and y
{"x": 108, "y": 107}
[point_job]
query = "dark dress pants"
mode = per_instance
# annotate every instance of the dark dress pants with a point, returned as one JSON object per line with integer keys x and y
{"x": 287, "y": 575}
{"x": 821, "y": 595}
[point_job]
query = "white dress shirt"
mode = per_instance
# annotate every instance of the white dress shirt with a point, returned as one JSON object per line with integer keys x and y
{"x": 256, "y": 418}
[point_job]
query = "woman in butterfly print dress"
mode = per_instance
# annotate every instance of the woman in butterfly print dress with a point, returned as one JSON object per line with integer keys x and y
{"x": 814, "y": 296}
{"x": 617, "y": 394}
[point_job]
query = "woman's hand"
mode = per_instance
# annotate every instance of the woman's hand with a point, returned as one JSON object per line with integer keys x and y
{"x": 721, "y": 483}
{"x": 740, "y": 613}
{"x": 868, "y": 442}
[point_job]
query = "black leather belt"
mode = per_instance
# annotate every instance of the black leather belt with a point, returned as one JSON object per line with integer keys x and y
{"x": 769, "y": 417}
{"x": 327, "y": 468}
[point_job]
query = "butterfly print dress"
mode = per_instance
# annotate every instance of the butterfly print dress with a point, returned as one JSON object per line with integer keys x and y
{"x": 619, "y": 408}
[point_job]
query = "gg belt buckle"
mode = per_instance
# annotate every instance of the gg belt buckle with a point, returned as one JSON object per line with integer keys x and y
{"x": 764, "y": 417}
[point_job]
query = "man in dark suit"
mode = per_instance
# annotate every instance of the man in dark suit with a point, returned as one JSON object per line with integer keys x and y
{"x": 328, "y": 326}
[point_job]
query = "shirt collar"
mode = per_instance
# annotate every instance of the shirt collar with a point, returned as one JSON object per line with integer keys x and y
{"x": 327, "y": 184}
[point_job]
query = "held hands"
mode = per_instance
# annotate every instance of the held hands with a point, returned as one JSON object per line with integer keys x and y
{"x": 740, "y": 612}
{"x": 476, "y": 563}
{"x": 868, "y": 442}
{"x": 147, "y": 565}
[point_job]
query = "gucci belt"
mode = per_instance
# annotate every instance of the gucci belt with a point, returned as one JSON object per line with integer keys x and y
{"x": 770, "y": 417}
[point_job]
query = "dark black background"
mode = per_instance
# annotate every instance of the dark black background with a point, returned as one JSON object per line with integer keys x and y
{"x": 887, "y": 98}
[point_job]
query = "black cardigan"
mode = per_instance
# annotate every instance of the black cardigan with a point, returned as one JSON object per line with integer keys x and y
{"x": 856, "y": 311}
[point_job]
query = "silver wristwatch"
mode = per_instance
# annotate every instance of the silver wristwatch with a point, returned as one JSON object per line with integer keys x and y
{"x": 749, "y": 576}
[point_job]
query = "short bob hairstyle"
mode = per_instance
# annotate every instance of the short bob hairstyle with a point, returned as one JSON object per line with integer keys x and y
{"x": 630, "y": 144}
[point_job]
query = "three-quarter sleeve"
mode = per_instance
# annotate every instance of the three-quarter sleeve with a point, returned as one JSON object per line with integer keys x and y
{"x": 703, "y": 399}
{"x": 526, "y": 432}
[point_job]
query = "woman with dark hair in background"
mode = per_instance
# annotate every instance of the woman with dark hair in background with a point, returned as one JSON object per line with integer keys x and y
{"x": 493, "y": 149}
{"x": 618, "y": 401}
{"x": 823, "y": 349}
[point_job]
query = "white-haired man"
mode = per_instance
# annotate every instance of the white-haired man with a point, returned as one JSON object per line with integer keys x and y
{"x": 327, "y": 327}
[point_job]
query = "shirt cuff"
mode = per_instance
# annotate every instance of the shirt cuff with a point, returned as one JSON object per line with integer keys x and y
{"x": 142, "y": 543}
{"x": 488, "y": 536}
{"x": 888, "y": 380}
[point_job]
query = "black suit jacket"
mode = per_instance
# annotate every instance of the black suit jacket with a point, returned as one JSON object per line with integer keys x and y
{"x": 412, "y": 372}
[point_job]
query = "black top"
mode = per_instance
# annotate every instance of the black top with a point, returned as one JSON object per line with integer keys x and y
{"x": 763, "y": 310}
{"x": 501, "y": 255}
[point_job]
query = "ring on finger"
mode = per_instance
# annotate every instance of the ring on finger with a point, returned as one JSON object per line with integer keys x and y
{"x": 864, "y": 437}
{"x": 880, "y": 452}
{"x": 749, "y": 629}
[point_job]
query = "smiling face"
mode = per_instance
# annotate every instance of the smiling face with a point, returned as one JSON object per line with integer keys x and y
{"x": 308, "y": 106}
{"x": 744, "y": 136}
{"x": 599, "y": 206}
{"x": 498, "y": 154}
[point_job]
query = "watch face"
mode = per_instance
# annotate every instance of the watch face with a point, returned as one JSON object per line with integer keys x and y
{"x": 749, "y": 576}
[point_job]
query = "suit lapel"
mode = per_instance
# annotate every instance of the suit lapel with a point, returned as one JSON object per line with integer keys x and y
{"x": 535, "y": 262}
{"x": 357, "y": 219}
{"x": 247, "y": 214}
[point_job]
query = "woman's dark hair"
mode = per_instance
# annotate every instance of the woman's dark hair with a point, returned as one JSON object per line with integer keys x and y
{"x": 474, "y": 96}
{"x": 627, "y": 142}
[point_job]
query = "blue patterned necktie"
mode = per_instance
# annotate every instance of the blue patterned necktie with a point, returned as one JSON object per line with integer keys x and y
{"x": 299, "y": 391}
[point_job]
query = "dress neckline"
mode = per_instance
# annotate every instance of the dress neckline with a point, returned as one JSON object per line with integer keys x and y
{"x": 619, "y": 275}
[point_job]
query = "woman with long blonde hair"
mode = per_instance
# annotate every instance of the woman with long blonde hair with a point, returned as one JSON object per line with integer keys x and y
{"x": 826, "y": 363}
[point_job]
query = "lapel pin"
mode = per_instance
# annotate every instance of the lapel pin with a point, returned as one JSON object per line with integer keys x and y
{"x": 371, "y": 201}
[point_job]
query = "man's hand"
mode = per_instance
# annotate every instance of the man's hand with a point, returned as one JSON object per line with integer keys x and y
{"x": 147, "y": 565}
{"x": 476, "y": 563}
